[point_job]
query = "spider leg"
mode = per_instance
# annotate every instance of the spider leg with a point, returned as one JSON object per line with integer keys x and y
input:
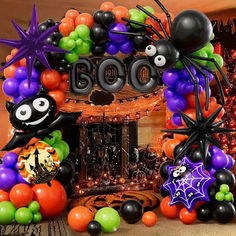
{"x": 216, "y": 64}
{"x": 199, "y": 112}
{"x": 144, "y": 25}
{"x": 154, "y": 18}
{"x": 217, "y": 81}
{"x": 134, "y": 34}
{"x": 192, "y": 62}
{"x": 166, "y": 12}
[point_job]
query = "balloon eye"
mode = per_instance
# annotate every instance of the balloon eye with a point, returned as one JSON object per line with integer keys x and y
{"x": 150, "y": 50}
{"x": 160, "y": 60}
{"x": 176, "y": 174}
{"x": 41, "y": 104}
{"x": 23, "y": 112}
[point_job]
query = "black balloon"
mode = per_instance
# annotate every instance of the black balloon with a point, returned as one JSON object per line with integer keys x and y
{"x": 131, "y": 211}
{"x": 94, "y": 228}
{"x": 98, "y": 34}
{"x": 42, "y": 27}
{"x": 50, "y": 23}
{"x": 98, "y": 16}
{"x": 178, "y": 149}
{"x": 223, "y": 212}
{"x": 224, "y": 177}
{"x": 65, "y": 172}
{"x": 98, "y": 50}
{"x": 204, "y": 213}
{"x": 196, "y": 155}
{"x": 69, "y": 188}
{"x": 177, "y": 161}
{"x": 140, "y": 42}
{"x": 164, "y": 192}
{"x": 108, "y": 18}
{"x": 163, "y": 169}
{"x": 191, "y": 30}
{"x": 212, "y": 192}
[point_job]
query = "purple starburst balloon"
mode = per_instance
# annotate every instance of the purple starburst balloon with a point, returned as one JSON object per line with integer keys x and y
{"x": 187, "y": 183}
{"x": 31, "y": 45}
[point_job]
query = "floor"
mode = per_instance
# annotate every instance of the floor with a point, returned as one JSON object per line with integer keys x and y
{"x": 164, "y": 227}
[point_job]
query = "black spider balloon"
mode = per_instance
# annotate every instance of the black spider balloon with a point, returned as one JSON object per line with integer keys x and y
{"x": 191, "y": 30}
{"x": 36, "y": 118}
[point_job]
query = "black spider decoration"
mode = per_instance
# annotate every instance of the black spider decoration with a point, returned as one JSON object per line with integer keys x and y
{"x": 191, "y": 30}
{"x": 180, "y": 171}
{"x": 36, "y": 118}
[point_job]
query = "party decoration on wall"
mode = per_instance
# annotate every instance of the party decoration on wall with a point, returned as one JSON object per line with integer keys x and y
{"x": 36, "y": 117}
{"x": 188, "y": 183}
{"x": 31, "y": 45}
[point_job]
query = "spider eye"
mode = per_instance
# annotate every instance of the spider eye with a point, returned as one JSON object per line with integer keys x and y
{"x": 182, "y": 169}
{"x": 160, "y": 60}
{"x": 41, "y": 104}
{"x": 23, "y": 112}
{"x": 176, "y": 173}
{"x": 150, "y": 50}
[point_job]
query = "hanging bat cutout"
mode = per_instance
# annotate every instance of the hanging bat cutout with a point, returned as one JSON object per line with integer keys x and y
{"x": 36, "y": 117}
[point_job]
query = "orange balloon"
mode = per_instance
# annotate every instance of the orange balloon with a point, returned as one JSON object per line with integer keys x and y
{"x": 21, "y": 195}
{"x": 191, "y": 112}
{"x": 120, "y": 12}
{"x": 69, "y": 20}
{"x": 149, "y": 218}
{"x": 192, "y": 102}
{"x": 9, "y": 71}
{"x": 63, "y": 86}
{"x": 23, "y": 62}
{"x": 58, "y": 96}
{"x": 52, "y": 200}
{"x": 50, "y": 79}
{"x": 170, "y": 146}
{"x": 168, "y": 211}
{"x": 14, "y": 51}
{"x": 64, "y": 77}
{"x": 4, "y": 196}
{"x": 66, "y": 27}
{"x": 107, "y": 6}
{"x": 180, "y": 136}
{"x": 72, "y": 13}
{"x": 79, "y": 217}
{"x": 187, "y": 217}
{"x": 150, "y": 21}
{"x": 85, "y": 19}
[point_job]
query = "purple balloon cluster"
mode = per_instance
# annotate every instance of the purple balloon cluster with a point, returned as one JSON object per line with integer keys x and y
{"x": 219, "y": 160}
{"x": 118, "y": 42}
{"x": 180, "y": 84}
{"x": 18, "y": 88}
{"x": 9, "y": 175}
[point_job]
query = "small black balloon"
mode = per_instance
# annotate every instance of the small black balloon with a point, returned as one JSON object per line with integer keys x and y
{"x": 69, "y": 188}
{"x": 164, "y": 192}
{"x": 204, "y": 213}
{"x": 57, "y": 36}
{"x": 69, "y": 67}
{"x": 223, "y": 212}
{"x": 196, "y": 155}
{"x": 98, "y": 16}
{"x": 49, "y": 40}
{"x": 98, "y": 50}
{"x": 42, "y": 27}
{"x": 65, "y": 172}
{"x": 108, "y": 18}
{"x": 98, "y": 34}
{"x": 50, "y": 23}
{"x": 94, "y": 228}
{"x": 163, "y": 169}
{"x": 212, "y": 192}
{"x": 224, "y": 177}
{"x": 131, "y": 211}
{"x": 178, "y": 149}
{"x": 140, "y": 42}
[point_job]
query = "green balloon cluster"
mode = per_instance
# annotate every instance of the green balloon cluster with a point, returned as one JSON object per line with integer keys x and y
{"x": 139, "y": 16}
{"x": 7, "y": 213}
{"x": 224, "y": 194}
{"x": 78, "y": 43}
{"x": 61, "y": 147}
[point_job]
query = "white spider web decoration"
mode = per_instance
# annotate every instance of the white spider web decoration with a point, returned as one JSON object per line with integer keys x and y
{"x": 190, "y": 186}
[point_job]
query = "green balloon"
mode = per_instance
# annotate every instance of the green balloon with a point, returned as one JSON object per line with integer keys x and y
{"x": 109, "y": 219}
{"x": 37, "y": 217}
{"x": 209, "y": 49}
{"x": 7, "y": 213}
{"x": 200, "y": 53}
{"x": 83, "y": 31}
{"x": 24, "y": 216}
{"x": 57, "y": 135}
{"x": 85, "y": 48}
{"x": 212, "y": 36}
{"x": 79, "y": 42}
{"x": 74, "y": 35}
{"x": 178, "y": 65}
{"x": 218, "y": 59}
{"x": 34, "y": 206}
{"x": 66, "y": 43}
{"x": 133, "y": 11}
{"x": 72, "y": 57}
{"x": 219, "y": 196}
{"x": 224, "y": 188}
{"x": 64, "y": 147}
{"x": 59, "y": 153}
{"x": 49, "y": 141}
{"x": 137, "y": 17}
{"x": 229, "y": 197}
{"x": 149, "y": 9}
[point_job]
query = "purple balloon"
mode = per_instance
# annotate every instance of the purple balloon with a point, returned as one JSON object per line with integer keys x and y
{"x": 211, "y": 170}
{"x": 16, "y": 166}
{"x": 26, "y": 91}
{"x": 209, "y": 75}
{"x": 170, "y": 77}
{"x": 2, "y": 166}
{"x": 181, "y": 87}
{"x": 185, "y": 74}
{"x": 21, "y": 180}
{"x": 169, "y": 93}
{"x": 18, "y": 99}
{"x": 177, "y": 102}
{"x": 8, "y": 178}
{"x": 21, "y": 73}
{"x": 214, "y": 150}
{"x": 118, "y": 38}
{"x": 10, "y": 159}
{"x": 126, "y": 47}
{"x": 176, "y": 119}
{"x": 35, "y": 75}
{"x": 219, "y": 160}
{"x": 10, "y": 87}
{"x": 230, "y": 162}
{"x": 112, "y": 48}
